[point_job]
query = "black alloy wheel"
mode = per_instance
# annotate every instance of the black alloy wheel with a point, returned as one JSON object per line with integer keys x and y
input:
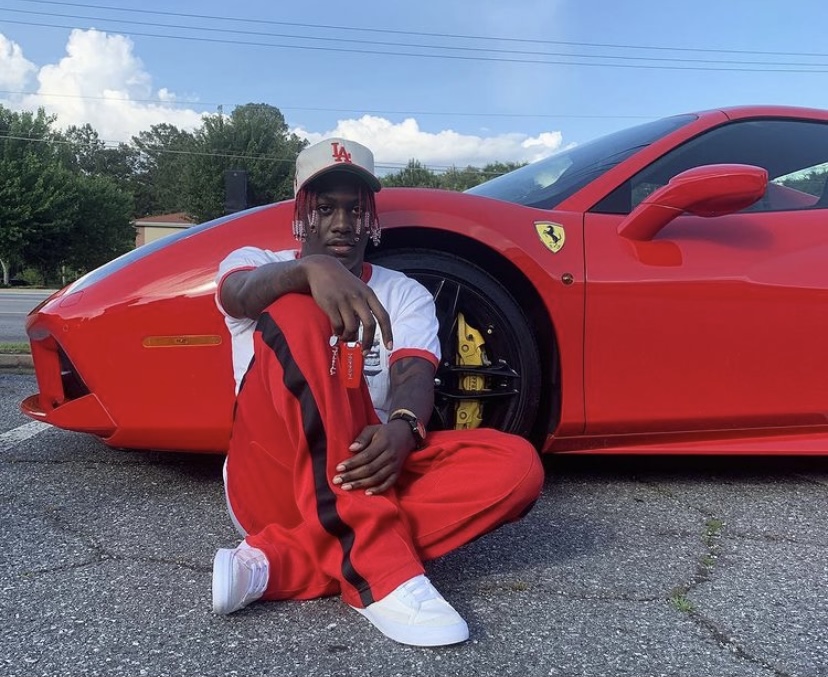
{"x": 511, "y": 394}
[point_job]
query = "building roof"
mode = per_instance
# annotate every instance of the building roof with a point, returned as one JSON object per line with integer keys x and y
{"x": 175, "y": 219}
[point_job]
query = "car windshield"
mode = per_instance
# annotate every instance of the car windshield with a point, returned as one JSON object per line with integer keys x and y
{"x": 546, "y": 183}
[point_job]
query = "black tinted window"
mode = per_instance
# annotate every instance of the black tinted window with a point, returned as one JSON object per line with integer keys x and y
{"x": 794, "y": 153}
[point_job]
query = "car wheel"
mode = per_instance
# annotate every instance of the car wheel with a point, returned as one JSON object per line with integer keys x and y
{"x": 489, "y": 374}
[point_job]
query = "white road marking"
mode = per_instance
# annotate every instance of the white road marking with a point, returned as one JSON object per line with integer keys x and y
{"x": 17, "y": 435}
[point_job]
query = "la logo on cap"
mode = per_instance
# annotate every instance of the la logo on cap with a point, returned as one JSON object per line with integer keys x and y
{"x": 340, "y": 153}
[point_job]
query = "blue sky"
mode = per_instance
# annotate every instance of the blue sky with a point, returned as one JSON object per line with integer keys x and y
{"x": 528, "y": 77}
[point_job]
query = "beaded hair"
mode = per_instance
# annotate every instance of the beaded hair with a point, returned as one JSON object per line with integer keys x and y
{"x": 306, "y": 218}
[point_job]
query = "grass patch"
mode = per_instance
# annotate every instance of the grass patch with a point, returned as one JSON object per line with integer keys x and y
{"x": 15, "y": 349}
{"x": 681, "y": 603}
{"x": 714, "y": 527}
{"x": 708, "y": 561}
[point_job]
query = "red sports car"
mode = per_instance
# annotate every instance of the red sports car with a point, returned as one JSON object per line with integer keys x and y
{"x": 661, "y": 289}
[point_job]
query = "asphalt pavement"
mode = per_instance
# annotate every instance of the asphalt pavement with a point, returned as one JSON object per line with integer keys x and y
{"x": 626, "y": 566}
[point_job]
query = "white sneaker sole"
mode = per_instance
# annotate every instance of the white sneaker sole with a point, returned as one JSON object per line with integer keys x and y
{"x": 222, "y": 577}
{"x": 418, "y": 636}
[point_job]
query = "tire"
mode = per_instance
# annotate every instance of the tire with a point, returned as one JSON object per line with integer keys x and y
{"x": 513, "y": 378}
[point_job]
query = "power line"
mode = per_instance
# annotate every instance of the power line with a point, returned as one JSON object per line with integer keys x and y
{"x": 144, "y": 148}
{"x": 355, "y": 111}
{"x": 378, "y": 43}
{"x": 488, "y": 38}
{"x": 460, "y": 57}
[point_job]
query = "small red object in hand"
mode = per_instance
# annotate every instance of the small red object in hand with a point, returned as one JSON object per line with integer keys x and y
{"x": 350, "y": 363}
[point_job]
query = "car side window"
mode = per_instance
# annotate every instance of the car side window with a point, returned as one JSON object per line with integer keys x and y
{"x": 794, "y": 152}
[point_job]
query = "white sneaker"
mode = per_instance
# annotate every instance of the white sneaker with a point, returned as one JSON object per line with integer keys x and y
{"x": 239, "y": 577}
{"x": 415, "y": 613}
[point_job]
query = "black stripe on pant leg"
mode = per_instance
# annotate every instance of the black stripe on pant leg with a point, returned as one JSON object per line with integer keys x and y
{"x": 241, "y": 386}
{"x": 317, "y": 440}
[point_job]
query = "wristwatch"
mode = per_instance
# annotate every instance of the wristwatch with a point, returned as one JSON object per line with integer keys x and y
{"x": 417, "y": 428}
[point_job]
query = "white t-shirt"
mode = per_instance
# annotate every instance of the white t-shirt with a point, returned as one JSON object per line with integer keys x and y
{"x": 409, "y": 304}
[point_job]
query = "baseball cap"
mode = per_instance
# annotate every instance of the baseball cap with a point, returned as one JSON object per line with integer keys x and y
{"x": 335, "y": 155}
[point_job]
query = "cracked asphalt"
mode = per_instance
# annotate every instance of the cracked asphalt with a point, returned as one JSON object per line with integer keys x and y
{"x": 626, "y": 566}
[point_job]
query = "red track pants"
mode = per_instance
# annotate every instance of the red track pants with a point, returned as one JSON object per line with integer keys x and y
{"x": 294, "y": 423}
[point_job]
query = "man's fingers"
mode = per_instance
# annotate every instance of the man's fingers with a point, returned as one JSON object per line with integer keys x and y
{"x": 362, "y": 464}
{"x": 335, "y": 316}
{"x": 369, "y": 327}
{"x": 374, "y": 483}
{"x": 382, "y": 487}
{"x": 383, "y": 320}
{"x": 349, "y": 303}
{"x": 350, "y": 323}
{"x": 362, "y": 467}
{"x": 363, "y": 440}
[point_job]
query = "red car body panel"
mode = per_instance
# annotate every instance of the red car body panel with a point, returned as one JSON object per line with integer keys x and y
{"x": 511, "y": 233}
{"x": 706, "y": 315}
{"x": 704, "y": 338}
{"x": 185, "y": 390}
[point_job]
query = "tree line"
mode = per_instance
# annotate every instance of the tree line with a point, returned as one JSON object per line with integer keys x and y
{"x": 68, "y": 199}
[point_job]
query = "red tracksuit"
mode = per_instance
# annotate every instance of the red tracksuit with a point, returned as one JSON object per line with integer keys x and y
{"x": 294, "y": 423}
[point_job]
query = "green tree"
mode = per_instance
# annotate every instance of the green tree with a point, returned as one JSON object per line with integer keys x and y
{"x": 415, "y": 175}
{"x": 87, "y": 222}
{"x": 494, "y": 169}
{"x": 103, "y": 227}
{"x": 36, "y": 196}
{"x": 43, "y": 198}
{"x": 160, "y": 162}
{"x": 811, "y": 183}
{"x": 254, "y": 138}
{"x": 83, "y": 152}
{"x": 57, "y": 205}
{"x": 461, "y": 179}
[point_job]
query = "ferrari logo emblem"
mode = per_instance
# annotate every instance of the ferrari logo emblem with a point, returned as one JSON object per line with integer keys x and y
{"x": 551, "y": 234}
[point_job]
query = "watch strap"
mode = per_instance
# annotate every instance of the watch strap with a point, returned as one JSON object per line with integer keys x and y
{"x": 417, "y": 428}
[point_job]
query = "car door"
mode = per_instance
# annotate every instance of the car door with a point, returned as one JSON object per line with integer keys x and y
{"x": 716, "y": 323}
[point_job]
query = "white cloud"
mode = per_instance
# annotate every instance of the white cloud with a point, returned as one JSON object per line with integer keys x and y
{"x": 15, "y": 69}
{"x": 100, "y": 81}
{"x": 396, "y": 144}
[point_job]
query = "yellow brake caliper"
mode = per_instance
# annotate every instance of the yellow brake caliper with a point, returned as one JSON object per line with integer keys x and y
{"x": 470, "y": 353}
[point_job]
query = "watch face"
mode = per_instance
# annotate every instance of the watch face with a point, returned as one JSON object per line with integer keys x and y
{"x": 419, "y": 432}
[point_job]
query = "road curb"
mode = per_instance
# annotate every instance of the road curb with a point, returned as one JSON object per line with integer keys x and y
{"x": 16, "y": 362}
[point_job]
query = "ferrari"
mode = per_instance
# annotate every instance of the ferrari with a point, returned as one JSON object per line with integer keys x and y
{"x": 661, "y": 289}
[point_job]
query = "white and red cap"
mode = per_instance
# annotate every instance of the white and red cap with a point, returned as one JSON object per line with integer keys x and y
{"x": 335, "y": 155}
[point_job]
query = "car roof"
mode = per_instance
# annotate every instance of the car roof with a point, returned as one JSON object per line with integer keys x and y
{"x": 740, "y": 112}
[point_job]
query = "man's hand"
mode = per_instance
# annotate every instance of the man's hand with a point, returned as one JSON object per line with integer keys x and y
{"x": 347, "y": 301}
{"x": 381, "y": 451}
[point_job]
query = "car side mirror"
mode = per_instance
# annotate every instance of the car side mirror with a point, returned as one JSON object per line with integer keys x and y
{"x": 709, "y": 190}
